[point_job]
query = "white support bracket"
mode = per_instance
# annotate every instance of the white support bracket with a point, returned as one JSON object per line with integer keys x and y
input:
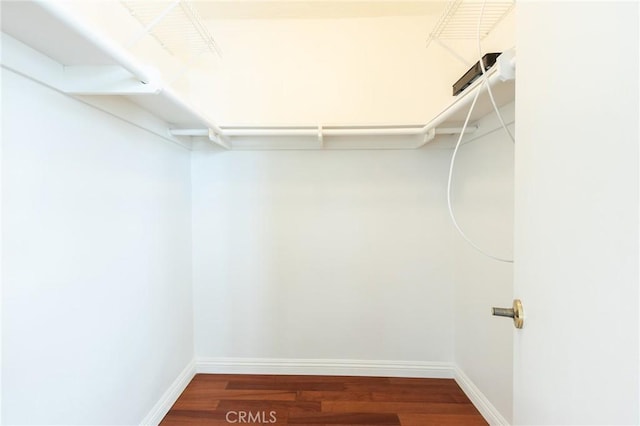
{"x": 429, "y": 135}
{"x": 212, "y": 134}
{"x": 217, "y": 139}
{"x": 320, "y": 137}
{"x": 73, "y": 80}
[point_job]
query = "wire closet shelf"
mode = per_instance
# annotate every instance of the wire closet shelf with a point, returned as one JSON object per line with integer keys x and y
{"x": 176, "y": 25}
{"x": 459, "y": 21}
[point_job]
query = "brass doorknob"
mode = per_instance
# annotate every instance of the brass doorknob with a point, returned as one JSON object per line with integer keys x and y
{"x": 516, "y": 312}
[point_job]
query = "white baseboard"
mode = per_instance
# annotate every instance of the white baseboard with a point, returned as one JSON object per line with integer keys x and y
{"x": 338, "y": 367}
{"x": 486, "y": 408}
{"x": 167, "y": 400}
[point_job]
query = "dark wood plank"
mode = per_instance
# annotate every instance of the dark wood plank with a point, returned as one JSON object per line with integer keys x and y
{"x": 211, "y": 379}
{"x": 334, "y": 396}
{"x": 291, "y": 378}
{"x": 368, "y": 419}
{"x": 193, "y": 417}
{"x": 441, "y": 419}
{"x": 276, "y": 417}
{"x": 301, "y": 406}
{"x": 251, "y": 395}
{"x": 394, "y": 387}
{"x": 415, "y": 396}
{"x": 288, "y": 385}
{"x": 396, "y": 407}
{"x": 200, "y": 395}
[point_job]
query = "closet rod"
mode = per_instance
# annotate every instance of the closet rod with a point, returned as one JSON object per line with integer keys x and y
{"x": 307, "y": 131}
{"x": 314, "y": 131}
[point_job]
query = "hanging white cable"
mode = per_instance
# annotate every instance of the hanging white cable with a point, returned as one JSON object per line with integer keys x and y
{"x": 459, "y": 142}
{"x": 449, "y": 180}
{"x": 484, "y": 76}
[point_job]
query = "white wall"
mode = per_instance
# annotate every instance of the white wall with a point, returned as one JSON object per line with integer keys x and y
{"x": 576, "y": 213}
{"x": 327, "y": 71}
{"x": 482, "y": 196}
{"x": 322, "y": 255}
{"x": 97, "y": 310}
{"x": 352, "y": 70}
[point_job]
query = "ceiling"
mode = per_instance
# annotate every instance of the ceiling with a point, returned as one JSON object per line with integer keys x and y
{"x": 315, "y": 9}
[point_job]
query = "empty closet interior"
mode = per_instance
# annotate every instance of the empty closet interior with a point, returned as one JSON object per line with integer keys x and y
{"x": 252, "y": 187}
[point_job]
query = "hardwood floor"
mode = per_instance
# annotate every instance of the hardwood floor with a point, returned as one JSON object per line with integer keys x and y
{"x": 212, "y": 399}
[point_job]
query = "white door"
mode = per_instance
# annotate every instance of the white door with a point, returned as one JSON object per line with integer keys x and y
{"x": 576, "y": 213}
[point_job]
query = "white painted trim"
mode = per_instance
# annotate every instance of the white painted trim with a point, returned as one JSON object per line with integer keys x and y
{"x": 479, "y": 400}
{"x": 162, "y": 407}
{"x": 339, "y": 367}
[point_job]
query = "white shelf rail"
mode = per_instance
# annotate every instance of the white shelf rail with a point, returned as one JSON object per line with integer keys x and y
{"x": 323, "y": 131}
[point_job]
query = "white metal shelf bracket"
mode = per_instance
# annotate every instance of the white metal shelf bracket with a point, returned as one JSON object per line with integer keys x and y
{"x": 429, "y": 135}
{"x": 73, "y": 80}
{"x": 216, "y": 138}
